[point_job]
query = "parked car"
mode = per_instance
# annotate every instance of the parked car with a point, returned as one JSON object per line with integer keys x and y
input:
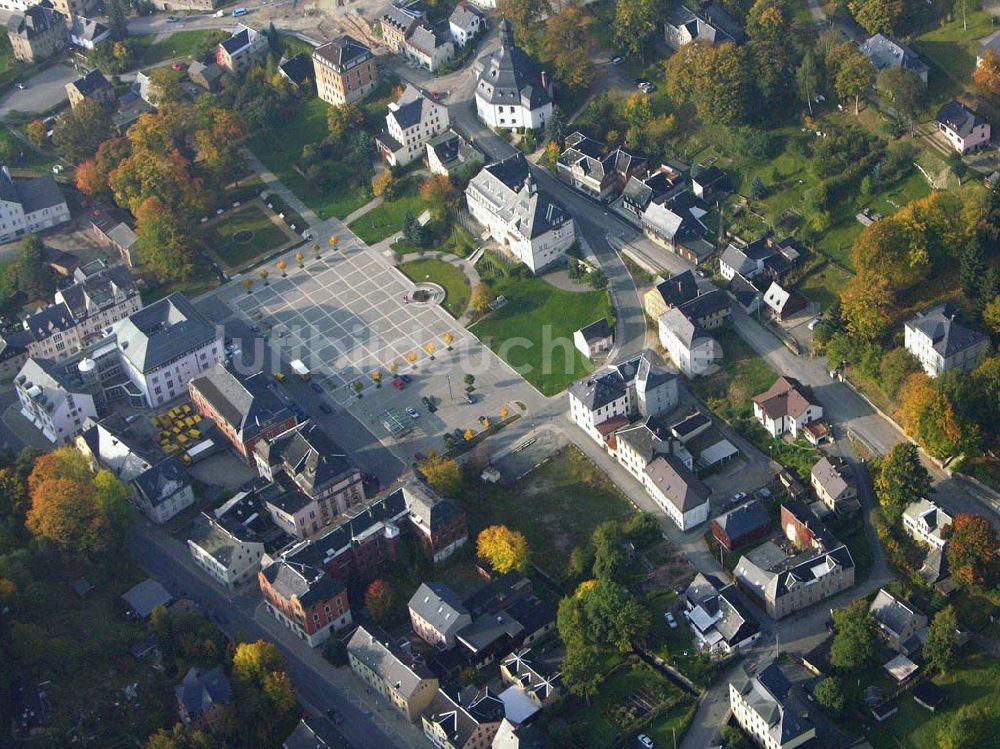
{"x": 738, "y": 497}
{"x": 316, "y": 387}
{"x": 412, "y": 412}
{"x": 429, "y": 404}
{"x": 617, "y": 60}
{"x": 645, "y": 741}
{"x": 813, "y": 323}
{"x": 406, "y": 378}
{"x": 334, "y": 716}
{"x": 469, "y": 398}
{"x": 398, "y": 383}
{"x": 419, "y": 457}
{"x": 325, "y": 409}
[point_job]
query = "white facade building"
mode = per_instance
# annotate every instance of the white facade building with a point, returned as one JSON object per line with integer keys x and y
{"x": 29, "y": 205}
{"x": 505, "y": 199}
{"x": 57, "y": 405}
{"x": 465, "y": 24}
{"x": 941, "y": 341}
{"x": 411, "y": 123}
{"x": 787, "y": 406}
{"x": 228, "y": 559}
{"x": 511, "y": 91}
{"x": 925, "y": 522}
{"x": 758, "y": 705}
{"x": 691, "y": 349}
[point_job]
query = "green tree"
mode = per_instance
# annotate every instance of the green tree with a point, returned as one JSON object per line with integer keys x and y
{"x": 767, "y": 21}
{"x": 524, "y": 14}
{"x": 343, "y": 119}
{"x": 896, "y": 366}
{"x": 33, "y": 275}
{"x": 854, "y": 642}
{"x": 164, "y": 242}
{"x": 635, "y": 23}
{"x": 380, "y": 600}
{"x": 904, "y": 91}
{"x": 81, "y": 130}
{"x": 118, "y": 19}
{"x": 830, "y": 694}
{"x": 757, "y": 189}
{"x": 971, "y": 727}
{"x": 165, "y": 85}
{"x": 855, "y": 74}
{"x": 877, "y": 16}
{"x": 610, "y": 559}
{"x": 733, "y": 738}
{"x": 901, "y": 480}
{"x": 555, "y": 128}
{"x": 807, "y": 79}
{"x": 581, "y": 671}
{"x": 942, "y": 639}
{"x": 971, "y": 268}
{"x": 566, "y": 42}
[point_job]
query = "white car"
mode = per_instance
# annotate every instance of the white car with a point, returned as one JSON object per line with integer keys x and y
{"x": 739, "y": 497}
{"x": 813, "y": 323}
{"x": 646, "y": 741}
{"x": 413, "y": 413}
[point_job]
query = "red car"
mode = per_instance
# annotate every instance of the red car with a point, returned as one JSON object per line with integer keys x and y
{"x": 177, "y": 66}
{"x": 398, "y": 384}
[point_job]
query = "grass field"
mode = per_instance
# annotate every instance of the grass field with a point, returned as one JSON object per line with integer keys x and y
{"x": 450, "y": 278}
{"x": 202, "y": 279}
{"x": 534, "y": 331}
{"x": 11, "y": 70}
{"x": 953, "y": 49}
{"x": 557, "y": 507}
{"x": 387, "y": 218}
{"x": 972, "y": 682}
{"x": 743, "y": 375}
{"x": 244, "y": 235}
{"x": 458, "y": 242}
{"x": 279, "y": 151}
{"x": 151, "y": 51}
{"x": 824, "y": 285}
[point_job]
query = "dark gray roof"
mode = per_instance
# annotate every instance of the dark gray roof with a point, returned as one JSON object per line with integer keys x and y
{"x": 597, "y": 330}
{"x": 487, "y": 629}
{"x": 247, "y": 404}
{"x": 766, "y": 693}
{"x": 509, "y": 76}
{"x": 705, "y": 305}
{"x": 49, "y": 320}
{"x": 884, "y": 52}
{"x": 35, "y": 194}
{"x": 314, "y": 733}
{"x": 309, "y": 456}
{"x": 36, "y": 20}
{"x": 163, "y": 480}
{"x": 201, "y": 689}
{"x": 310, "y": 585}
{"x": 91, "y": 82}
{"x": 146, "y": 596}
{"x": 450, "y": 147}
{"x": 237, "y": 41}
{"x": 297, "y": 69}
{"x": 947, "y": 330}
{"x": 373, "y": 648}
{"x": 677, "y": 483}
{"x": 162, "y": 331}
{"x": 510, "y": 184}
{"x": 600, "y": 389}
{"x": 959, "y": 118}
{"x": 895, "y": 614}
{"x": 343, "y": 51}
{"x": 678, "y": 289}
{"x": 411, "y": 112}
{"x": 745, "y": 519}
{"x": 439, "y": 606}
{"x": 464, "y": 16}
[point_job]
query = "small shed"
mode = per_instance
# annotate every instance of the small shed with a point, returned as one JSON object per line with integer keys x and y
{"x": 594, "y": 338}
{"x": 82, "y": 587}
{"x": 146, "y": 596}
{"x": 901, "y": 668}
{"x": 929, "y": 695}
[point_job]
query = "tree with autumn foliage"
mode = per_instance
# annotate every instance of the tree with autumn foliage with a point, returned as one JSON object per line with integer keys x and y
{"x": 718, "y": 80}
{"x": 164, "y": 243}
{"x": 444, "y": 474}
{"x": 266, "y": 702}
{"x": 439, "y": 195}
{"x": 504, "y": 549}
{"x": 343, "y": 119}
{"x": 566, "y": 42}
{"x": 768, "y": 21}
{"x": 866, "y": 305}
{"x": 927, "y": 414}
{"x": 986, "y": 76}
{"x": 855, "y": 74}
{"x": 36, "y": 132}
{"x": 971, "y": 549}
{"x": 877, "y": 16}
{"x": 380, "y": 600}
{"x": 90, "y": 181}
{"x": 75, "y": 510}
{"x": 218, "y": 144}
{"x": 384, "y": 184}
{"x": 635, "y": 24}
{"x": 482, "y": 297}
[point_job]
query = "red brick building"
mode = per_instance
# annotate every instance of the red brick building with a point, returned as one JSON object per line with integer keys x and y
{"x": 307, "y": 600}
{"x": 800, "y": 525}
{"x": 244, "y": 409}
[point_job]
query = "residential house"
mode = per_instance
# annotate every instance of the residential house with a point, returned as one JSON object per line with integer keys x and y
{"x": 209, "y": 77}
{"x": 884, "y": 52}
{"x": 13, "y": 353}
{"x": 675, "y": 224}
{"x": 925, "y": 521}
{"x": 313, "y": 481}
{"x": 412, "y": 121}
{"x": 742, "y": 526}
{"x": 397, "y": 23}
{"x": 785, "y": 584}
{"x": 531, "y": 686}
{"x": 711, "y": 24}
{"x": 91, "y": 86}
{"x": 759, "y": 704}
{"x": 36, "y": 33}
{"x": 310, "y": 733}
{"x": 345, "y": 71}
{"x": 86, "y": 32}
{"x": 439, "y": 523}
{"x": 511, "y": 735}
{"x": 429, "y": 48}
{"x": 131, "y": 106}
{"x": 678, "y": 491}
{"x": 586, "y": 166}
{"x": 762, "y": 256}
{"x": 437, "y": 614}
{"x": 942, "y": 340}
{"x": 96, "y": 297}
{"x": 685, "y": 332}
{"x": 965, "y": 130}
{"x": 656, "y": 186}
{"x": 28, "y": 206}
{"x": 297, "y": 70}
{"x": 143, "y": 598}
{"x": 703, "y": 441}
{"x": 230, "y": 555}
{"x": 720, "y": 622}
{"x": 784, "y": 303}
{"x": 203, "y": 696}
{"x": 608, "y": 399}
{"x": 449, "y": 153}
{"x": 451, "y": 723}
{"x": 54, "y": 401}
{"x": 591, "y": 340}
{"x": 466, "y": 22}
{"x": 505, "y": 198}
{"x": 899, "y": 622}
{"x": 833, "y": 482}
{"x": 511, "y": 92}
{"x": 786, "y": 406}
{"x": 245, "y": 48}
{"x": 116, "y": 229}
{"x": 307, "y": 600}
{"x": 398, "y": 676}
{"x": 709, "y": 184}
{"x": 672, "y": 292}
{"x": 245, "y": 409}
{"x": 163, "y": 490}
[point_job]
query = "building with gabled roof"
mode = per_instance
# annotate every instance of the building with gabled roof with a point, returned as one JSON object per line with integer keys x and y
{"x": 899, "y": 622}
{"x": 741, "y": 526}
{"x": 55, "y": 403}
{"x": 413, "y": 120}
{"x": 719, "y": 620}
{"x": 397, "y": 22}
{"x": 36, "y": 33}
{"x": 449, "y": 153}
{"x": 941, "y": 340}
{"x": 589, "y": 167}
{"x": 675, "y": 223}
{"x": 306, "y": 599}
{"x": 245, "y": 409}
{"x": 450, "y": 724}
{"x": 203, "y": 696}
{"x": 465, "y": 23}
{"x": 786, "y": 406}
{"x": 229, "y": 554}
{"x": 884, "y": 52}
{"x": 964, "y": 129}
{"x": 760, "y": 705}
{"x": 681, "y": 494}
{"x": 833, "y": 482}
{"x": 429, "y": 47}
{"x": 297, "y": 70}
{"x": 401, "y": 677}
{"x": 531, "y": 685}
{"x": 684, "y": 332}
{"x": 346, "y": 71}
{"x": 511, "y": 91}
{"x": 505, "y": 198}
{"x": 711, "y": 25}
{"x": 437, "y": 614}
{"x": 924, "y": 521}
{"x": 245, "y": 48}
{"x": 670, "y": 292}
{"x": 656, "y": 186}
{"x": 92, "y": 86}
{"x": 592, "y": 339}
{"x": 30, "y": 205}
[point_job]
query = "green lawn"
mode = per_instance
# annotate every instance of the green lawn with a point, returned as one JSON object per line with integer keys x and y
{"x": 151, "y": 51}
{"x": 244, "y": 235}
{"x": 452, "y": 279}
{"x": 25, "y": 156}
{"x": 557, "y": 507}
{"x": 281, "y": 150}
{"x": 459, "y": 242}
{"x": 676, "y": 646}
{"x": 202, "y": 279}
{"x": 534, "y": 331}
{"x": 972, "y": 682}
{"x": 953, "y": 49}
{"x": 11, "y": 71}
{"x": 743, "y": 375}
{"x": 824, "y": 285}
{"x": 387, "y": 218}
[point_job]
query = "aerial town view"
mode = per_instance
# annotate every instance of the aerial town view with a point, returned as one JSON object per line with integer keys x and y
{"x": 500, "y": 374}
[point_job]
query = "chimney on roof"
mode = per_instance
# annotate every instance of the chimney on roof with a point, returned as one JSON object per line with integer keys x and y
{"x": 545, "y": 81}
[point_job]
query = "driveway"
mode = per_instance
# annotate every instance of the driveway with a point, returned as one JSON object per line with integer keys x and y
{"x": 43, "y": 91}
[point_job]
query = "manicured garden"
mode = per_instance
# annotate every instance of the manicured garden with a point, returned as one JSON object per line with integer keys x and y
{"x": 450, "y": 278}
{"x": 387, "y": 218}
{"x": 244, "y": 235}
{"x": 149, "y": 50}
{"x": 534, "y": 331}
{"x": 556, "y": 506}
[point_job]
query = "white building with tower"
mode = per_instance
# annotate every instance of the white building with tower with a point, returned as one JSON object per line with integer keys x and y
{"x": 511, "y": 91}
